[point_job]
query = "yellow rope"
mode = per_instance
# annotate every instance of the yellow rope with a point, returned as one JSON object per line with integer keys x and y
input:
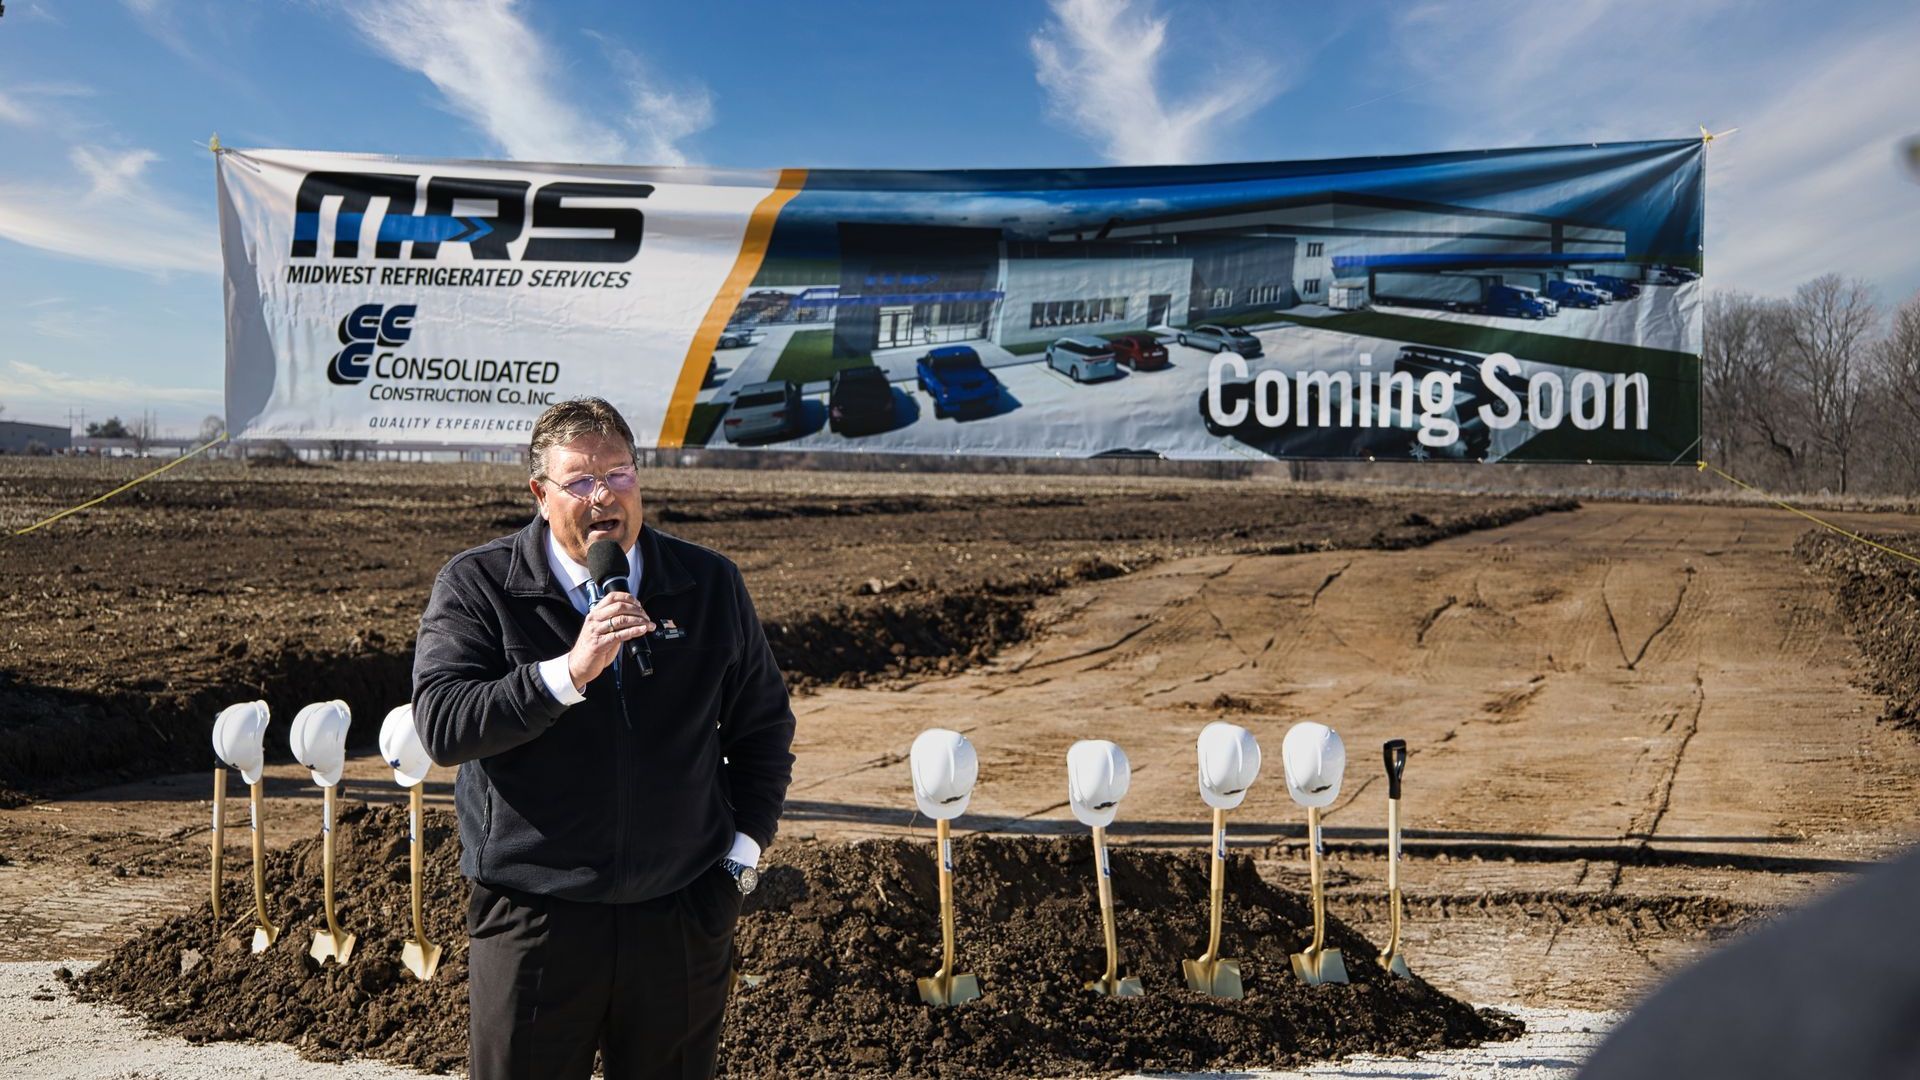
{"x": 1896, "y": 552}
{"x": 95, "y": 502}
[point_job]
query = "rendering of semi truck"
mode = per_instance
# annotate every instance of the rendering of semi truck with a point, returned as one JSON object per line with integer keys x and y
{"x": 1484, "y": 294}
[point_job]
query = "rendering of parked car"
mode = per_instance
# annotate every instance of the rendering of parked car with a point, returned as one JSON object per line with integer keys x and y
{"x": 1082, "y": 359}
{"x": 1141, "y": 352}
{"x": 737, "y": 337}
{"x": 859, "y": 401}
{"x": 956, "y": 380}
{"x": 1221, "y": 338}
{"x": 768, "y": 410}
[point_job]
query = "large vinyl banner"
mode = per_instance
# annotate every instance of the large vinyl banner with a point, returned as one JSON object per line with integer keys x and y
{"x": 1517, "y": 305}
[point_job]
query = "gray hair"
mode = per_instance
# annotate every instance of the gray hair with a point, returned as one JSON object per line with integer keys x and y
{"x": 570, "y": 420}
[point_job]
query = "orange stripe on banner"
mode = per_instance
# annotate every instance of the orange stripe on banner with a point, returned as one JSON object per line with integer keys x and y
{"x": 753, "y": 250}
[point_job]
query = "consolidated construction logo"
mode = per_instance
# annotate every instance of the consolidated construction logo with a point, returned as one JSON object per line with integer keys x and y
{"x": 370, "y": 326}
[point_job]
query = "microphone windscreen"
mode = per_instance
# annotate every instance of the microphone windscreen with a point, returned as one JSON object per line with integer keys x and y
{"x": 605, "y": 561}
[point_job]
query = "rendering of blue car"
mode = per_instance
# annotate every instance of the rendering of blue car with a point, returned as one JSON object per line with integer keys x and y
{"x": 958, "y": 383}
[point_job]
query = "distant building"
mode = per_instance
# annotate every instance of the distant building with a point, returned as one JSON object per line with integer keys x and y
{"x": 19, "y": 438}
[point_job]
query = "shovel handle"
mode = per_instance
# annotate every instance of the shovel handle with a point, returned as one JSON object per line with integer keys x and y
{"x": 1394, "y": 752}
{"x": 1103, "y": 875}
{"x": 416, "y": 857}
{"x": 944, "y": 835}
{"x": 1217, "y": 884}
{"x": 1319, "y": 890}
{"x": 219, "y": 842}
{"x": 326, "y": 857}
{"x": 254, "y": 793}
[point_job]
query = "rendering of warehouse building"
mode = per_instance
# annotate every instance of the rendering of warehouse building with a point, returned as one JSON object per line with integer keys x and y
{"x": 912, "y": 285}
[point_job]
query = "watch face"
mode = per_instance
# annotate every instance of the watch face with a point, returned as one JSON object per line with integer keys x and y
{"x": 749, "y": 879}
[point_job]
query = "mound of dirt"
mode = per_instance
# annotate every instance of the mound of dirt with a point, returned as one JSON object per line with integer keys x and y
{"x": 837, "y": 935}
{"x": 1879, "y": 596}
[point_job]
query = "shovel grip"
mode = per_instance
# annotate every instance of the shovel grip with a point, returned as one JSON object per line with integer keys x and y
{"x": 1394, "y": 753}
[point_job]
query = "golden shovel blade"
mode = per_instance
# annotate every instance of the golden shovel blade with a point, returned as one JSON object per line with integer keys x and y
{"x": 1323, "y": 966}
{"x": 328, "y": 947}
{"x": 948, "y": 990}
{"x": 1397, "y": 964}
{"x": 1217, "y": 978}
{"x": 264, "y": 937}
{"x": 1124, "y": 988}
{"x": 421, "y": 958}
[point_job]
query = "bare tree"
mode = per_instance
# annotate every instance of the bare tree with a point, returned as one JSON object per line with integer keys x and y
{"x": 142, "y": 431}
{"x": 1828, "y": 323}
{"x": 1747, "y": 419}
{"x": 1898, "y": 360}
{"x": 211, "y": 428}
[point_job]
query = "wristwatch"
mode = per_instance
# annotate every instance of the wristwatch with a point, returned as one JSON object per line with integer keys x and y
{"x": 746, "y": 877}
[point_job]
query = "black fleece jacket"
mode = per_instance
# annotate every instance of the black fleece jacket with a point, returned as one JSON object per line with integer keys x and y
{"x": 635, "y": 791}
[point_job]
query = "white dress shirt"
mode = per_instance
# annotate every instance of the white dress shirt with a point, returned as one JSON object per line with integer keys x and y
{"x": 559, "y": 681}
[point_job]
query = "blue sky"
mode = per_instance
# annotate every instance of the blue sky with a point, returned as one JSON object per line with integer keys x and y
{"x": 109, "y": 283}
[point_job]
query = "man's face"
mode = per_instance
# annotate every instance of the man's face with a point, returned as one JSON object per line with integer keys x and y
{"x": 604, "y": 514}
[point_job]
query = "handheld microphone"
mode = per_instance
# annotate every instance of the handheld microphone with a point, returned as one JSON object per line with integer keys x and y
{"x": 608, "y": 569}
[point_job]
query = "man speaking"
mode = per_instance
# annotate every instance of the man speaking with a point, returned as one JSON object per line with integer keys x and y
{"x": 624, "y": 757}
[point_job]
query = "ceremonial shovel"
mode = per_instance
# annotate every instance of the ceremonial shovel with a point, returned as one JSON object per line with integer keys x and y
{"x": 945, "y": 987}
{"x": 1315, "y": 760}
{"x": 1110, "y": 984}
{"x": 945, "y": 767}
{"x": 239, "y": 741}
{"x": 1318, "y": 964}
{"x": 1209, "y": 974}
{"x": 1395, "y": 753}
{"x": 1229, "y": 759}
{"x": 264, "y": 932}
{"x": 400, "y": 746}
{"x": 329, "y": 944}
{"x": 320, "y": 743}
{"x": 1098, "y": 776}
{"x": 421, "y": 956}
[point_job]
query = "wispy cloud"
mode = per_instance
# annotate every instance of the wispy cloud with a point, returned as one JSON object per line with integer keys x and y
{"x": 658, "y": 118}
{"x": 1814, "y": 182}
{"x": 114, "y": 220}
{"x": 29, "y": 383}
{"x": 35, "y": 104}
{"x": 1512, "y": 74}
{"x": 1099, "y": 62}
{"x": 499, "y": 74}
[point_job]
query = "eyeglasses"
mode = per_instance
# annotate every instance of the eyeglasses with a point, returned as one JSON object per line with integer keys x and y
{"x": 619, "y": 481}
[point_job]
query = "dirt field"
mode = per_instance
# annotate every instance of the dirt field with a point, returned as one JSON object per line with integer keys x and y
{"x": 1634, "y": 727}
{"x": 134, "y": 622}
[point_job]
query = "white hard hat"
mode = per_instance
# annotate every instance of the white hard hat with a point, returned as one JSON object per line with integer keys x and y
{"x": 1229, "y": 761}
{"x": 319, "y": 739}
{"x": 1314, "y": 759}
{"x": 1097, "y": 779}
{"x": 944, "y": 770}
{"x": 240, "y": 738}
{"x": 400, "y": 745}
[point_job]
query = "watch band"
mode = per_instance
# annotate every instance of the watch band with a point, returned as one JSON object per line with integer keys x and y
{"x": 745, "y": 877}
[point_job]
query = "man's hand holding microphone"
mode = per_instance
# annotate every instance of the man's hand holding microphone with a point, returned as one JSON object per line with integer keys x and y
{"x": 615, "y": 619}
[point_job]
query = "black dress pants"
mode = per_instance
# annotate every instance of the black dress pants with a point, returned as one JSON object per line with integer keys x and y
{"x": 550, "y": 981}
